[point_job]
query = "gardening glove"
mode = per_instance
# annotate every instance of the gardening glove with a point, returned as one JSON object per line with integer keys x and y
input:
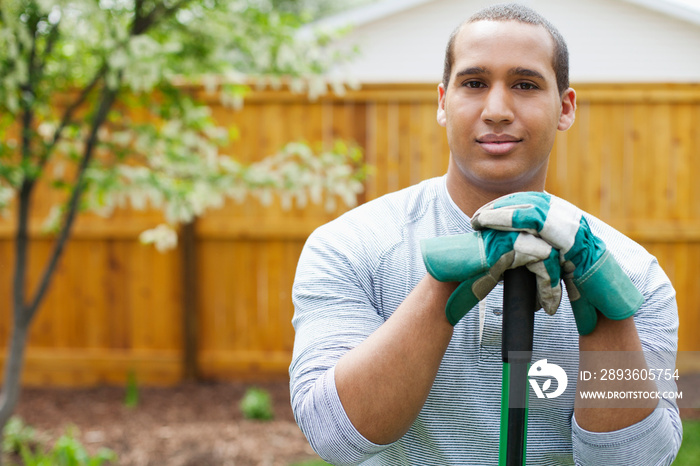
{"x": 477, "y": 260}
{"x": 593, "y": 278}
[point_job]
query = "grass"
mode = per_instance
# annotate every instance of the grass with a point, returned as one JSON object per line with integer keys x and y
{"x": 689, "y": 454}
{"x": 310, "y": 463}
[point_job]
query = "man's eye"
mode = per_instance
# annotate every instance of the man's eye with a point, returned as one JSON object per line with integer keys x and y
{"x": 473, "y": 84}
{"x": 526, "y": 86}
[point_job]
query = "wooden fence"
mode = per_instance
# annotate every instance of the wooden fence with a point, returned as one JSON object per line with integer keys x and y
{"x": 116, "y": 307}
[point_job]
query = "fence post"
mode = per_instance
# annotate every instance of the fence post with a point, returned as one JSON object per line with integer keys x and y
{"x": 190, "y": 326}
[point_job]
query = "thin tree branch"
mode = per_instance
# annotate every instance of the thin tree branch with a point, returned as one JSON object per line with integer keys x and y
{"x": 142, "y": 23}
{"x": 28, "y": 94}
{"x": 68, "y": 114}
{"x": 108, "y": 98}
{"x": 138, "y": 8}
{"x": 50, "y": 42}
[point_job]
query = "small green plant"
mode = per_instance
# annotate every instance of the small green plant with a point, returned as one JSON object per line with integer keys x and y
{"x": 67, "y": 451}
{"x": 21, "y": 441}
{"x": 131, "y": 399}
{"x": 16, "y": 434}
{"x": 257, "y": 404}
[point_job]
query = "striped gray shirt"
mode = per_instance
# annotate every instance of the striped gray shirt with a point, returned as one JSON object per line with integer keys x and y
{"x": 356, "y": 270}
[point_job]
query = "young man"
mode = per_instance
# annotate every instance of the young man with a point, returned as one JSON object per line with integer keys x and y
{"x": 380, "y": 375}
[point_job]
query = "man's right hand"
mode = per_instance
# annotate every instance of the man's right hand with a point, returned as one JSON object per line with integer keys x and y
{"x": 477, "y": 261}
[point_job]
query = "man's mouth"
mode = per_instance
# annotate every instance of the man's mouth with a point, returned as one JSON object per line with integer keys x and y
{"x": 498, "y": 144}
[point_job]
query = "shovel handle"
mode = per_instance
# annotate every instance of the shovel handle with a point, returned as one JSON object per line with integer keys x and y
{"x": 519, "y": 302}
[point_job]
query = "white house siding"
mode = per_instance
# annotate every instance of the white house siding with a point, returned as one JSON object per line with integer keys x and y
{"x": 609, "y": 41}
{"x": 613, "y": 41}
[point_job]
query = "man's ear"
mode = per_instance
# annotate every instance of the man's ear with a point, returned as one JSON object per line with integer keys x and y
{"x": 568, "y": 110}
{"x": 441, "y": 117}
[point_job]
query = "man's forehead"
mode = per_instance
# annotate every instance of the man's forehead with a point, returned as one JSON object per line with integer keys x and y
{"x": 496, "y": 38}
{"x": 487, "y": 30}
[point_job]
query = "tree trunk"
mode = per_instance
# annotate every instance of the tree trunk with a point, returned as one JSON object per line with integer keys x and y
{"x": 14, "y": 358}
{"x": 13, "y": 374}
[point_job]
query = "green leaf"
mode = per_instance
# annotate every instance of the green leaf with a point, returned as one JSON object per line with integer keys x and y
{"x": 257, "y": 404}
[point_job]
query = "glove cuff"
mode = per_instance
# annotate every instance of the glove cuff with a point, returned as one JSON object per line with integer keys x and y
{"x": 454, "y": 258}
{"x": 460, "y": 302}
{"x": 608, "y": 288}
{"x": 585, "y": 316}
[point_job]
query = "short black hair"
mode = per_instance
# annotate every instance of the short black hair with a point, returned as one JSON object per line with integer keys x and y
{"x": 523, "y": 14}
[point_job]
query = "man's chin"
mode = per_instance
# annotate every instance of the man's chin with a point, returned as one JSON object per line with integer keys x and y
{"x": 503, "y": 180}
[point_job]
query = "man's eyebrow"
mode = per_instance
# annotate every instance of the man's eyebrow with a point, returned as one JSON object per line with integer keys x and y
{"x": 472, "y": 70}
{"x": 526, "y": 72}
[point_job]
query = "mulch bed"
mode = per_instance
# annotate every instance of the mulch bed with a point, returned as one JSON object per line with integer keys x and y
{"x": 190, "y": 424}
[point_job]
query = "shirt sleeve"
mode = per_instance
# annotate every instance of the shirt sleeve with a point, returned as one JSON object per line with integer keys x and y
{"x": 333, "y": 314}
{"x": 656, "y": 439}
{"x": 653, "y": 441}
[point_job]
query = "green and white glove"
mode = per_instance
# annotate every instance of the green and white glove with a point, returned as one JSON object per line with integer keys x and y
{"x": 593, "y": 278}
{"x": 477, "y": 260}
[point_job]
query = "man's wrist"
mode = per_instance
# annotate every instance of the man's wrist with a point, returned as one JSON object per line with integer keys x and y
{"x": 439, "y": 293}
{"x": 611, "y": 335}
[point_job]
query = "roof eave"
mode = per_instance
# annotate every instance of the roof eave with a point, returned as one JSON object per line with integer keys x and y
{"x": 675, "y": 10}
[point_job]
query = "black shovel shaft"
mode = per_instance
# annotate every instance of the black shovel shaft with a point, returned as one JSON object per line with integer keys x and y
{"x": 519, "y": 301}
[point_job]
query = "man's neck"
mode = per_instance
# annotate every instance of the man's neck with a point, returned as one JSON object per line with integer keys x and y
{"x": 469, "y": 197}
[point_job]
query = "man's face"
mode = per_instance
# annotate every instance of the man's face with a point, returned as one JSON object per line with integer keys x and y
{"x": 502, "y": 108}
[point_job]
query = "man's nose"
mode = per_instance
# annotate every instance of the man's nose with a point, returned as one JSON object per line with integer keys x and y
{"x": 498, "y": 106}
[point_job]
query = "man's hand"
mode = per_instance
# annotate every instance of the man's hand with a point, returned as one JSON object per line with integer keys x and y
{"x": 477, "y": 261}
{"x": 593, "y": 278}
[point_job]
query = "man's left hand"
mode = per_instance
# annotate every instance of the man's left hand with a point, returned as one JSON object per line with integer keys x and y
{"x": 593, "y": 278}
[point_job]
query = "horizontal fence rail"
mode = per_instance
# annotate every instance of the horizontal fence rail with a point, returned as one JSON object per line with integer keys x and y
{"x": 115, "y": 306}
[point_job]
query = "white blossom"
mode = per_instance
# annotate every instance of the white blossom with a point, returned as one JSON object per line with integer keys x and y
{"x": 331, "y": 204}
{"x": 6, "y": 196}
{"x": 286, "y": 57}
{"x": 53, "y": 219}
{"x": 59, "y": 169}
{"x": 122, "y": 138}
{"x": 178, "y": 212}
{"x": 118, "y": 59}
{"x": 265, "y": 196}
{"x": 285, "y": 200}
{"x": 163, "y": 237}
{"x": 138, "y": 199}
{"x": 297, "y": 85}
{"x": 301, "y": 198}
{"x": 316, "y": 192}
{"x": 46, "y": 130}
{"x": 317, "y": 87}
{"x": 338, "y": 86}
